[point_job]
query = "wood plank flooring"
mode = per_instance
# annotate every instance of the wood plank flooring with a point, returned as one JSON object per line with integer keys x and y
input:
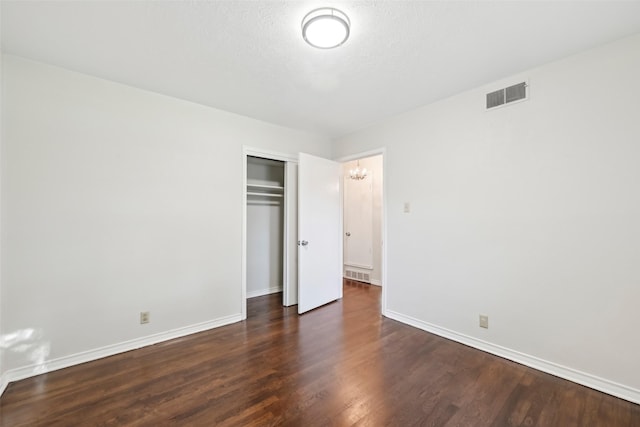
{"x": 340, "y": 365}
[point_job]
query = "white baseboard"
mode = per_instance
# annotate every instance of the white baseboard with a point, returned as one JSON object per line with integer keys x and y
{"x": 376, "y": 282}
{"x": 583, "y": 378}
{"x": 110, "y": 350}
{"x": 3, "y": 383}
{"x": 266, "y": 291}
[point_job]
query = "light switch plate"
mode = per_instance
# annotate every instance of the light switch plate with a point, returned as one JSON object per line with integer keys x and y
{"x": 484, "y": 321}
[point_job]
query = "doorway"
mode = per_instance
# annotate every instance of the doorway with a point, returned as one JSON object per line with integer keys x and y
{"x": 265, "y": 226}
{"x": 269, "y": 221}
{"x": 363, "y": 204}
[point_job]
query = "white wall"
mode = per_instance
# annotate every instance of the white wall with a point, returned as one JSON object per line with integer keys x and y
{"x": 264, "y": 247}
{"x": 374, "y": 166}
{"x": 528, "y": 214}
{"x": 2, "y": 369}
{"x": 117, "y": 201}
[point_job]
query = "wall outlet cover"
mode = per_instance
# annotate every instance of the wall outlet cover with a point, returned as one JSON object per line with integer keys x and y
{"x": 144, "y": 317}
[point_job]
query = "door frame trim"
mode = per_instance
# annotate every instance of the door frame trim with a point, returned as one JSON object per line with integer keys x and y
{"x": 381, "y": 151}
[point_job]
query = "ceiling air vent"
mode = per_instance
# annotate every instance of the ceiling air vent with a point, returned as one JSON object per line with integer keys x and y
{"x": 507, "y": 95}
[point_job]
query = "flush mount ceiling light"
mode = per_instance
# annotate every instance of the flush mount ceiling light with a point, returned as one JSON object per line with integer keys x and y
{"x": 325, "y": 28}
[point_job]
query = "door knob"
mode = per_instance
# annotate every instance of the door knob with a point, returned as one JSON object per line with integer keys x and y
{"x": 348, "y": 234}
{"x": 302, "y": 243}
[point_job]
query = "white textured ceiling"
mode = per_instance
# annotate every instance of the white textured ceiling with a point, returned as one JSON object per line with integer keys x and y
{"x": 248, "y": 57}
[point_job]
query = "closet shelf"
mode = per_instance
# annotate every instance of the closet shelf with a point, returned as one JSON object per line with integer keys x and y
{"x": 251, "y": 193}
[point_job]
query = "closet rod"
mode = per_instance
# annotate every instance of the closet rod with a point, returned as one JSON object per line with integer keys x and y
{"x": 271, "y": 187}
{"x": 263, "y": 194}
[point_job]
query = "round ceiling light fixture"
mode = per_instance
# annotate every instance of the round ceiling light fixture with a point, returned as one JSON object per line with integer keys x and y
{"x": 325, "y": 28}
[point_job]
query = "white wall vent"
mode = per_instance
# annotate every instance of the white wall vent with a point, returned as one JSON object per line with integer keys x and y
{"x": 517, "y": 92}
{"x": 358, "y": 275}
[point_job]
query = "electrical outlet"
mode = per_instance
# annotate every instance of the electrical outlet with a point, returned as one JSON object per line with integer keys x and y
{"x": 484, "y": 321}
{"x": 144, "y": 317}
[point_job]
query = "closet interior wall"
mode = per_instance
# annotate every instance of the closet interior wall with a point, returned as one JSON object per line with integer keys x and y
{"x": 265, "y": 226}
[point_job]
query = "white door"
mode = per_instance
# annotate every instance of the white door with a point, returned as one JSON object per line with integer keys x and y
{"x": 319, "y": 232}
{"x": 358, "y": 222}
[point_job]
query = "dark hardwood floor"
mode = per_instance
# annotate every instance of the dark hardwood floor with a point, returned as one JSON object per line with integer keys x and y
{"x": 340, "y": 365}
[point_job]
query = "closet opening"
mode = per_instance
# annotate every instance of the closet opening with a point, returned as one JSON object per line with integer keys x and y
{"x": 265, "y": 226}
{"x": 269, "y": 262}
